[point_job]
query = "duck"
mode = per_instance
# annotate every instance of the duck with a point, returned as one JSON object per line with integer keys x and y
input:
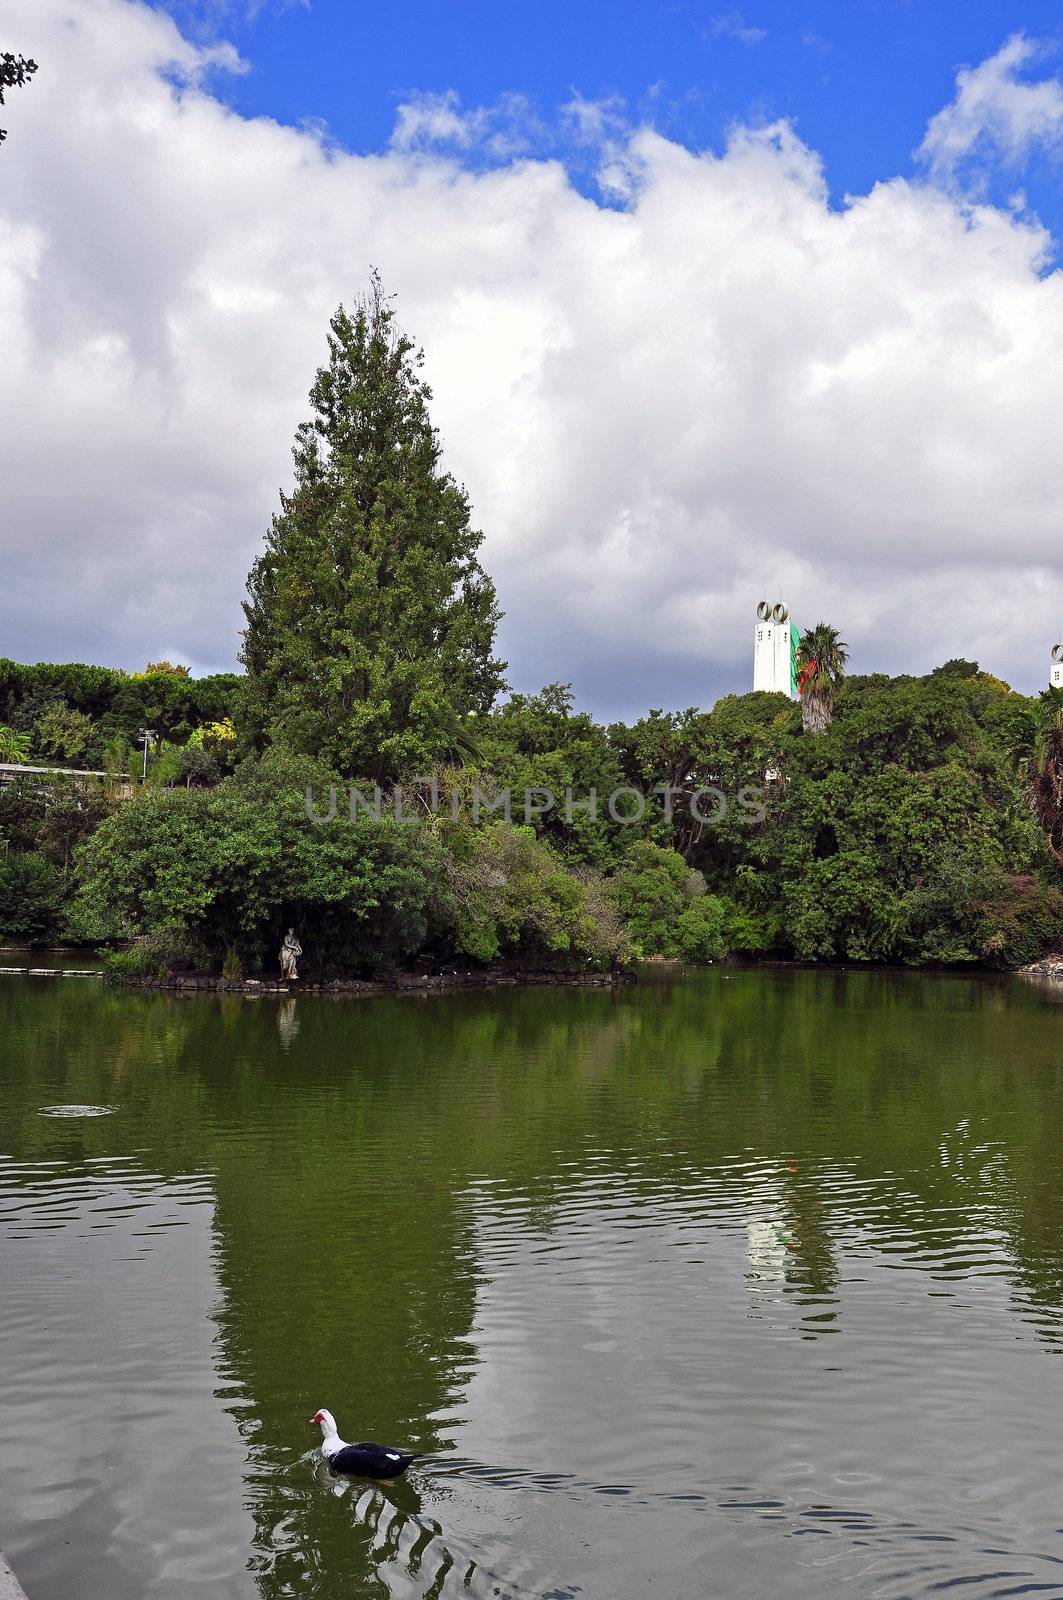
{"x": 365, "y": 1460}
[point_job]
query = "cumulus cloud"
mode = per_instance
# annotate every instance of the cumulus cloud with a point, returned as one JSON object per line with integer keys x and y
{"x": 663, "y": 410}
{"x": 996, "y": 113}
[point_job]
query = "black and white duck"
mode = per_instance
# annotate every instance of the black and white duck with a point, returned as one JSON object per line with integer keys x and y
{"x": 365, "y": 1460}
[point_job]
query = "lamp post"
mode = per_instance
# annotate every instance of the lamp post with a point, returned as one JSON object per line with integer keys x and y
{"x": 145, "y": 736}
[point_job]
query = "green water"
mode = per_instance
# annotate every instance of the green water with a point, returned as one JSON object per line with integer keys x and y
{"x": 742, "y": 1285}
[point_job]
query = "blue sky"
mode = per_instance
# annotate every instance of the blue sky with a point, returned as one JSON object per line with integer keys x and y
{"x": 859, "y": 78}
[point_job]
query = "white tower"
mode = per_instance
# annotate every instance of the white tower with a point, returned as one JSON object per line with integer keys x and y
{"x": 773, "y": 650}
{"x": 1055, "y": 677}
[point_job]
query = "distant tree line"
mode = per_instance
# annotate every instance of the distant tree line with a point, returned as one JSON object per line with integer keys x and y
{"x": 91, "y": 717}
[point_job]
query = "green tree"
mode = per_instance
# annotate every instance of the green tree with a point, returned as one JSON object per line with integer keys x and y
{"x": 31, "y": 892}
{"x": 842, "y": 906}
{"x": 652, "y": 888}
{"x": 370, "y": 623}
{"x": 1045, "y": 774}
{"x": 166, "y": 667}
{"x": 69, "y": 812}
{"x": 539, "y": 742}
{"x": 64, "y": 732}
{"x": 700, "y": 929}
{"x": 14, "y": 747}
{"x": 509, "y": 894}
{"x": 821, "y": 658}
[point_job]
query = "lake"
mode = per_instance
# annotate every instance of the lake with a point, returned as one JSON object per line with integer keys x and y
{"x": 736, "y": 1284}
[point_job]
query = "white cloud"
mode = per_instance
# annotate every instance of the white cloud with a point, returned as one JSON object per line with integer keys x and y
{"x": 723, "y": 390}
{"x": 732, "y": 25}
{"x": 995, "y": 113}
{"x": 596, "y": 122}
{"x": 438, "y": 122}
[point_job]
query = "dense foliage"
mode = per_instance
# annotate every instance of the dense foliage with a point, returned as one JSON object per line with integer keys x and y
{"x": 908, "y": 831}
{"x": 222, "y": 872}
{"x": 91, "y": 717}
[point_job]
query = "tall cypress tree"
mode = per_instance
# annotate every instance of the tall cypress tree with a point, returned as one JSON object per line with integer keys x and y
{"x": 370, "y": 623}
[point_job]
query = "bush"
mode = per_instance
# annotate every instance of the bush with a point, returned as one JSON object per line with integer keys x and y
{"x": 1020, "y": 923}
{"x": 651, "y": 888}
{"x": 31, "y": 893}
{"x": 841, "y": 908}
{"x": 510, "y": 894}
{"x": 750, "y": 933}
{"x": 91, "y": 922}
{"x": 159, "y": 955}
{"x": 665, "y": 907}
{"x": 121, "y": 965}
{"x": 232, "y": 968}
{"x": 699, "y": 930}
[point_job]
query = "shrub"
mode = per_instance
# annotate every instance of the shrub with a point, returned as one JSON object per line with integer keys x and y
{"x": 160, "y": 955}
{"x": 747, "y": 932}
{"x": 510, "y": 894}
{"x": 86, "y": 921}
{"x": 841, "y": 907}
{"x": 232, "y": 968}
{"x": 1019, "y": 923}
{"x": 121, "y": 965}
{"x": 31, "y": 893}
{"x": 699, "y": 930}
{"x": 651, "y": 888}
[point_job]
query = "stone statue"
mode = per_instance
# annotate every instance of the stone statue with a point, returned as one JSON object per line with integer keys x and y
{"x": 291, "y": 950}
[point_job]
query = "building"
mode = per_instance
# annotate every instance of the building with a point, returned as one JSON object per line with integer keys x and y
{"x": 775, "y": 650}
{"x": 1055, "y": 676}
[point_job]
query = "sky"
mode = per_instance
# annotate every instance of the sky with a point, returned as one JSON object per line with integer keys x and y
{"x": 718, "y": 304}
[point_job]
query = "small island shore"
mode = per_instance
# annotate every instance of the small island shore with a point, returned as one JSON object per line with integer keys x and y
{"x": 397, "y": 983}
{"x": 1050, "y": 966}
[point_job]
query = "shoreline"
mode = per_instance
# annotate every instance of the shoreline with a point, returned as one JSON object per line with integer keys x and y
{"x": 400, "y": 983}
{"x": 1049, "y": 968}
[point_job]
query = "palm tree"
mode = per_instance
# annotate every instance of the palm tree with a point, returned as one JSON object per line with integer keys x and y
{"x": 14, "y": 747}
{"x": 821, "y": 658}
{"x": 1045, "y": 772}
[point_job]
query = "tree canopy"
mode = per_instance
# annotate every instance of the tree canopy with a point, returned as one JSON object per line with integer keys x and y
{"x": 370, "y": 622}
{"x": 920, "y": 827}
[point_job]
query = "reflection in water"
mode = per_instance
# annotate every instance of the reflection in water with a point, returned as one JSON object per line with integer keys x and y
{"x": 287, "y": 1021}
{"x": 582, "y": 1248}
{"x": 109, "y": 1378}
{"x": 77, "y": 1111}
{"x": 397, "y": 1536}
{"x": 768, "y": 1250}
